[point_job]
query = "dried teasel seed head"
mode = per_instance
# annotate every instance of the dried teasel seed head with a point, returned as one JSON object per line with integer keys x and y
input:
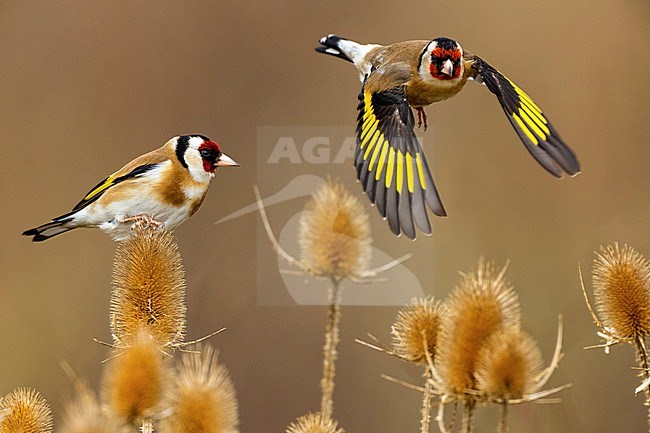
{"x": 508, "y": 364}
{"x": 314, "y": 423}
{"x": 84, "y": 414}
{"x": 203, "y": 399}
{"x": 24, "y": 410}
{"x": 621, "y": 281}
{"x": 148, "y": 288}
{"x": 416, "y": 323}
{"x": 480, "y": 305}
{"x": 136, "y": 380}
{"x": 334, "y": 233}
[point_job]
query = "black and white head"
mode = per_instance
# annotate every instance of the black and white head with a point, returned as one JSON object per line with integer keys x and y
{"x": 442, "y": 59}
{"x": 201, "y": 156}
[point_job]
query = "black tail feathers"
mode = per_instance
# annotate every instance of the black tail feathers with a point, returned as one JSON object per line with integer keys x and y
{"x": 46, "y": 231}
{"x": 330, "y": 45}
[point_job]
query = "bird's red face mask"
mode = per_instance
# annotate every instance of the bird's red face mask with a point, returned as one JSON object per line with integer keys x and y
{"x": 445, "y": 63}
{"x": 213, "y": 157}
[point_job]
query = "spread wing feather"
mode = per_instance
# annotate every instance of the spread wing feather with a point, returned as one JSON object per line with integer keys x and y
{"x": 532, "y": 126}
{"x": 391, "y": 164}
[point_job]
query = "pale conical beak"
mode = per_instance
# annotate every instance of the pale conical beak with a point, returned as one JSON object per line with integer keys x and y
{"x": 448, "y": 68}
{"x": 226, "y": 161}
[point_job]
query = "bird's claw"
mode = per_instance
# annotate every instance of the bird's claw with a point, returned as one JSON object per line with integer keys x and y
{"x": 144, "y": 221}
{"x": 422, "y": 117}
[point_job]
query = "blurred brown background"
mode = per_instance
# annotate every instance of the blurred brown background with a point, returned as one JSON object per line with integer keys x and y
{"x": 85, "y": 86}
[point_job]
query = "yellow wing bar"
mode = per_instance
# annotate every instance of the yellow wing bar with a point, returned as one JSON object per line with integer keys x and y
{"x": 380, "y": 151}
{"x": 100, "y": 188}
{"x": 529, "y": 117}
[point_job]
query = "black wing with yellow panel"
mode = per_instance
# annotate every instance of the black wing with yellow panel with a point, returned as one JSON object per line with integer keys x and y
{"x": 390, "y": 162}
{"x": 534, "y": 129}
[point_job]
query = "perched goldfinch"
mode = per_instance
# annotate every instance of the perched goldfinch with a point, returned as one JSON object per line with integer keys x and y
{"x": 389, "y": 159}
{"x": 163, "y": 187}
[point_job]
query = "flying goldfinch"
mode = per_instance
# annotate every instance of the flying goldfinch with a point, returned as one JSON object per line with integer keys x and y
{"x": 389, "y": 159}
{"x": 163, "y": 187}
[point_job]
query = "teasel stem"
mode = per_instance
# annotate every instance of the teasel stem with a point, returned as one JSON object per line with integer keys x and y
{"x": 468, "y": 415}
{"x": 427, "y": 394}
{"x": 642, "y": 359}
{"x": 329, "y": 349}
{"x": 503, "y": 419}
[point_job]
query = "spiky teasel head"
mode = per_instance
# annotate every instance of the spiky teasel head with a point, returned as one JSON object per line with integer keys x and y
{"x": 24, "y": 410}
{"x": 508, "y": 365}
{"x": 480, "y": 305}
{"x": 148, "y": 288}
{"x": 203, "y": 398}
{"x": 621, "y": 281}
{"x": 136, "y": 380}
{"x": 84, "y": 414}
{"x": 334, "y": 233}
{"x": 314, "y": 423}
{"x": 416, "y": 325}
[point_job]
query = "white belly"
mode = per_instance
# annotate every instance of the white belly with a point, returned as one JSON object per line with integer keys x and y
{"x": 110, "y": 218}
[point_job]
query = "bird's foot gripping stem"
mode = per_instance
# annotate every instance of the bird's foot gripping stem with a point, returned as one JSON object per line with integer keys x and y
{"x": 143, "y": 221}
{"x": 422, "y": 117}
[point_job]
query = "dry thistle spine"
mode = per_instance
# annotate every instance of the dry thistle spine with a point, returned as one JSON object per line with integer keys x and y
{"x": 415, "y": 331}
{"x": 135, "y": 381}
{"x": 480, "y": 305}
{"x": 24, "y": 410}
{"x": 415, "y": 339}
{"x": 84, "y": 414}
{"x": 203, "y": 398}
{"x": 508, "y": 364}
{"x": 507, "y": 367}
{"x": 621, "y": 284}
{"x": 621, "y": 280}
{"x": 148, "y": 289}
{"x": 314, "y": 423}
{"x": 334, "y": 233}
{"x": 480, "y": 354}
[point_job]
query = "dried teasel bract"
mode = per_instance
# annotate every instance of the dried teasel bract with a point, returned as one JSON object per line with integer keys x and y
{"x": 314, "y": 423}
{"x": 417, "y": 326}
{"x": 148, "y": 289}
{"x": 483, "y": 303}
{"x": 24, "y": 410}
{"x": 203, "y": 397}
{"x": 334, "y": 234}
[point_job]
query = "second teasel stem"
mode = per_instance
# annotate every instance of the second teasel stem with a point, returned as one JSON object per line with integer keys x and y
{"x": 468, "y": 415}
{"x": 329, "y": 349}
{"x": 642, "y": 359}
{"x": 503, "y": 419}
{"x": 427, "y": 394}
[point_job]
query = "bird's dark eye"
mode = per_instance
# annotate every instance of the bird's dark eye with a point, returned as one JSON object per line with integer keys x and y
{"x": 207, "y": 153}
